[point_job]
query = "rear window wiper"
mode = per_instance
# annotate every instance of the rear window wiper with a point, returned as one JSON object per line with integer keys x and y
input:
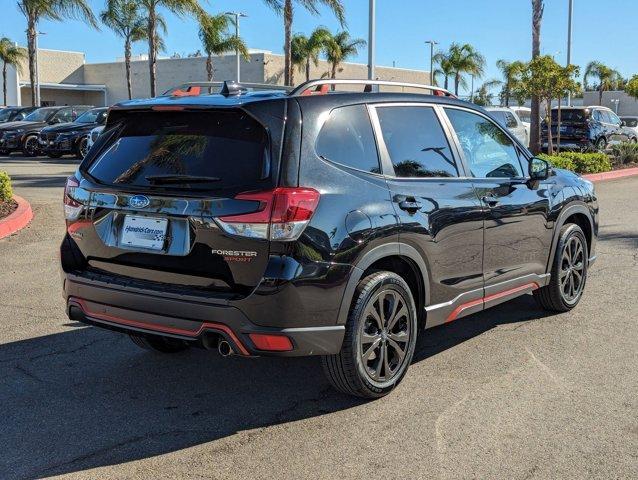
{"x": 178, "y": 179}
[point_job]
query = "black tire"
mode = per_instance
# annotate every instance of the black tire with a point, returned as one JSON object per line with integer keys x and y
{"x": 82, "y": 148}
{"x": 54, "y": 155}
{"x": 4, "y": 152}
{"x": 349, "y": 371}
{"x": 159, "y": 344}
{"x": 30, "y": 146}
{"x": 553, "y": 296}
{"x": 601, "y": 144}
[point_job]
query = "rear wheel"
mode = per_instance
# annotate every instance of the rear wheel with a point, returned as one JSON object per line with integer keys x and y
{"x": 30, "y": 146}
{"x": 379, "y": 341}
{"x": 159, "y": 344}
{"x": 569, "y": 272}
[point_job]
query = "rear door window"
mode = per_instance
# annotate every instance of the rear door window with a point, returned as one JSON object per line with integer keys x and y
{"x": 230, "y": 148}
{"x": 347, "y": 138}
{"x": 416, "y": 142}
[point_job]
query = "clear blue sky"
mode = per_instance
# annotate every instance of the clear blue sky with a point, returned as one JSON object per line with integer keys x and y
{"x": 604, "y": 31}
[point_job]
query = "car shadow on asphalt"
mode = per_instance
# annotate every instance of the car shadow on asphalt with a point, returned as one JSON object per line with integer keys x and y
{"x": 88, "y": 398}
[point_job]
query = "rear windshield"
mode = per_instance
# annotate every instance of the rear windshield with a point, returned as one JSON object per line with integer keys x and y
{"x": 631, "y": 122}
{"x": 570, "y": 115}
{"x": 525, "y": 116}
{"x": 229, "y": 147}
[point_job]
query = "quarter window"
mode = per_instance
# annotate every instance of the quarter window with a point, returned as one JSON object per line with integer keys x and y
{"x": 416, "y": 142}
{"x": 488, "y": 150}
{"x": 347, "y": 139}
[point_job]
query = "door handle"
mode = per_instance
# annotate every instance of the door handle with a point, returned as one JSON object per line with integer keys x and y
{"x": 410, "y": 206}
{"x": 491, "y": 200}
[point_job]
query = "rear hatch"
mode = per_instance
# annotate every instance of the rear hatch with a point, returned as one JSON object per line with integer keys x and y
{"x": 573, "y": 124}
{"x": 155, "y": 193}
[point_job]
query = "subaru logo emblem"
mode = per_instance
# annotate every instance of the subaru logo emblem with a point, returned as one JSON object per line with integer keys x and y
{"x": 139, "y": 201}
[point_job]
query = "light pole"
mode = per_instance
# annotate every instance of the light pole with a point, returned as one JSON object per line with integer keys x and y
{"x": 615, "y": 101}
{"x": 432, "y": 43}
{"x": 237, "y": 16}
{"x": 371, "y": 38}
{"x": 569, "y": 44}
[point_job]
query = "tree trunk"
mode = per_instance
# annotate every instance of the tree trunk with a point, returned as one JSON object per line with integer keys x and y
{"x": 333, "y": 72}
{"x": 600, "y": 95}
{"x": 152, "y": 49}
{"x": 456, "y": 84}
{"x": 209, "y": 67}
{"x": 127, "y": 66}
{"x": 308, "y": 69}
{"x": 288, "y": 73}
{"x": 4, "y": 82}
{"x": 447, "y": 82}
{"x": 507, "y": 97}
{"x": 535, "y": 127}
{"x": 550, "y": 140}
{"x": 31, "y": 33}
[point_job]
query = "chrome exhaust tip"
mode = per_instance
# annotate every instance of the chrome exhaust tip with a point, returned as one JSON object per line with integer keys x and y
{"x": 224, "y": 348}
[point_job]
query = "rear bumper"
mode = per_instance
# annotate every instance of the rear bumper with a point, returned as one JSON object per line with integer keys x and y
{"x": 120, "y": 309}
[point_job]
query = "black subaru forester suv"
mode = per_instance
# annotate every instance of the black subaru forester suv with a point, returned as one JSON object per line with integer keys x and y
{"x": 316, "y": 222}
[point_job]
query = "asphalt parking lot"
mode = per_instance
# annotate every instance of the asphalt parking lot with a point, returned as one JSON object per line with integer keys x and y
{"x": 511, "y": 393}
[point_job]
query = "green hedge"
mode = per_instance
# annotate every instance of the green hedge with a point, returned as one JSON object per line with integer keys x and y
{"x": 6, "y": 193}
{"x": 580, "y": 162}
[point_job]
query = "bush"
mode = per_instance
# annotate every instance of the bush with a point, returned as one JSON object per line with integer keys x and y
{"x": 559, "y": 161}
{"x": 6, "y": 193}
{"x": 625, "y": 153}
{"x": 580, "y": 162}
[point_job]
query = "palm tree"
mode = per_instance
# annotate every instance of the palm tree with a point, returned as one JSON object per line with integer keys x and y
{"x": 339, "y": 47}
{"x": 124, "y": 18}
{"x": 464, "y": 59}
{"x": 444, "y": 68}
{"x": 608, "y": 78}
{"x": 305, "y": 51}
{"x": 484, "y": 95}
{"x": 153, "y": 21}
{"x": 36, "y": 10}
{"x": 10, "y": 54}
{"x": 511, "y": 72}
{"x": 538, "y": 8}
{"x": 287, "y": 8}
{"x": 213, "y": 32}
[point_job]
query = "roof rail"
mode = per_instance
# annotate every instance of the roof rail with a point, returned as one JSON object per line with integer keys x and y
{"x": 206, "y": 88}
{"x": 317, "y": 87}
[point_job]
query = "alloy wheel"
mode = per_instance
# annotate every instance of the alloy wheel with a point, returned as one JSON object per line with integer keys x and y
{"x": 31, "y": 146}
{"x": 84, "y": 147}
{"x": 572, "y": 269}
{"x": 385, "y": 336}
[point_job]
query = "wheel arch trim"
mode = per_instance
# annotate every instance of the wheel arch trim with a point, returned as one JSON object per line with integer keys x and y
{"x": 571, "y": 209}
{"x": 394, "y": 249}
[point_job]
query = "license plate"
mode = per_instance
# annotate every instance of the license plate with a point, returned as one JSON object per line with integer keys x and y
{"x": 144, "y": 232}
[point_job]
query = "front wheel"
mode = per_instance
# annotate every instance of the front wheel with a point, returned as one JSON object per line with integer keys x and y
{"x": 82, "y": 148}
{"x": 601, "y": 144}
{"x": 379, "y": 341}
{"x": 569, "y": 272}
{"x": 159, "y": 344}
{"x": 30, "y": 146}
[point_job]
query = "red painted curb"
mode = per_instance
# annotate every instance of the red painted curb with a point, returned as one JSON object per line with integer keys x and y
{"x": 18, "y": 219}
{"x": 599, "y": 177}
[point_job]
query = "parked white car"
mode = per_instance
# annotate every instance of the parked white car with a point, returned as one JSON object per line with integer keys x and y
{"x": 524, "y": 113}
{"x": 94, "y": 134}
{"x": 510, "y": 120}
{"x": 631, "y": 122}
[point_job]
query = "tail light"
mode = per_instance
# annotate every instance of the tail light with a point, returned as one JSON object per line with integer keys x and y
{"x": 282, "y": 215}
{"x": 72, "y": 208}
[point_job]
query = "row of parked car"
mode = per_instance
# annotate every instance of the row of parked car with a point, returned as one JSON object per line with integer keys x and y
{"x": 581, "y": 128}
{"x": 53, "y": 131}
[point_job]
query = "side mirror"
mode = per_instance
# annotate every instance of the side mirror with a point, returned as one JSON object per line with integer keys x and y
{"x": 538, "y": 169}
